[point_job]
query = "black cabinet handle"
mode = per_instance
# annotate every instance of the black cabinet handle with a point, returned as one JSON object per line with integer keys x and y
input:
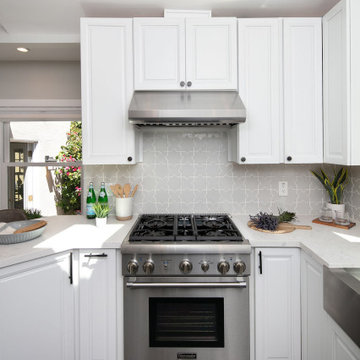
{"x": 260, "y": 262}
{"x": 103, "y": 255}
{"x": 129, "y": 158}
{"x": 189, "y": 83}
{"x": 243, "y": 159}
{"x": 71, "y": 269}
{"x": 289, "y": 158}
{"x": 182, "y": 83}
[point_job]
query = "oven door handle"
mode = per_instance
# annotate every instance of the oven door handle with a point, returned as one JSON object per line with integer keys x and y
{"x": 137, "y": 285}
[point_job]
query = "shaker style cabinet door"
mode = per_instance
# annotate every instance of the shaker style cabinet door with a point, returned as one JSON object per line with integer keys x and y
{"x": 342, "y": 83}
{"x": 211, "y": 53}
{"x": 277, "y": 304}
{"x": 336, "y": 114}
{"x": 313, "y": 316}
{"x": 97, "y": 298}
{"x": 159, "y": 53}
{"x": 107, "y": 89}
{"x": 259, "y": 138}
{"x": 37, "y": 310}
{"x": 303, "y": 123}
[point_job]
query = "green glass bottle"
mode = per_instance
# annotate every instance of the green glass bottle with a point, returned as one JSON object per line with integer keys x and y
{"x": 90, "y": 201}
{"x": 103, "y": 198}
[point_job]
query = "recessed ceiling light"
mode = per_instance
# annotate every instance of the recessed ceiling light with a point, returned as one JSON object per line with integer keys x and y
{"x": 23, "y": 49}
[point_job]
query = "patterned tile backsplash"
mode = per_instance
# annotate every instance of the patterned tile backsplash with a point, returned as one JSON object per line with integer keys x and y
{"x": 187, "y": 171}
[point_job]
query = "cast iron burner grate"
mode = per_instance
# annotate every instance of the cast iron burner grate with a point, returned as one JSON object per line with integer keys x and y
{"x": 185, "y": 227}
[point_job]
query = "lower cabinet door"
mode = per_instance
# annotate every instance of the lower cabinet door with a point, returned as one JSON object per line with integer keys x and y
{"x": 312, "y": 311}
{"x": 37, "y": 302}
{"x": 97, "y": 300}
{"x": 277, "y": 304}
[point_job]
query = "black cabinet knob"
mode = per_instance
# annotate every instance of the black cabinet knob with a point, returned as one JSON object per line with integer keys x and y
{"x": 289, "y": 158}
{"x": 189, "y": 83}
{"x": 182, "y": 83}
{"x": 129, "y": 158}
{"x": 243, "y": 159}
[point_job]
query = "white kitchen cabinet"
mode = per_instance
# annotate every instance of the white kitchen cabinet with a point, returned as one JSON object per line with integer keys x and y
{"x": 107, "y": 89}
{"x": 342, "y": 83}
{"x": 185, "y": 53}
{"x": 322, "y": 338}
{"x": 280, "y": 83}
{"x": 98, "y": 308}
{"x": 258, "y": 140}
{"x": 313, "y": 316}
{"x": 338, "y": 345}
{"x": 211, "y": 53}
{"x": 277, "y": 304}
{"x": 303, "y": 120}
{"x": 159, "y": 53}
{"x": 37, "y": 310}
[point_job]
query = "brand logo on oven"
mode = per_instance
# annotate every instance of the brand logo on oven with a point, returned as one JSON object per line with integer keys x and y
{"x": 184, "y": 356}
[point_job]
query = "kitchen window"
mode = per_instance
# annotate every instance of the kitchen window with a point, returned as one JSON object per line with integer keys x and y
{"x": 41, "y": 162}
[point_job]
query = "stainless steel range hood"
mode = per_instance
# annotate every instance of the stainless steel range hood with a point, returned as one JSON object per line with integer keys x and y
{"x": 186, "y": 108}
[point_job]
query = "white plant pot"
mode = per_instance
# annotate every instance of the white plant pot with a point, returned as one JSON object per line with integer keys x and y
{"x": 123, "y": 208}
{"x": 336, "y": 207}
{"x": 100, "y": 222}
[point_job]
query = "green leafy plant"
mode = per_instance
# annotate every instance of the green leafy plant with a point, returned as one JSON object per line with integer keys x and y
{"x": 335, "y": 188}
{"x": 68, "y": 178}
{"x": 286, "y": 216}
{"x": 32, "y": 213}
{"x": 101, "y": 210}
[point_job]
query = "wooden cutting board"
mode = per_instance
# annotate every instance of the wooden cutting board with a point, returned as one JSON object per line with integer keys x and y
{"x": 283, "y": 228}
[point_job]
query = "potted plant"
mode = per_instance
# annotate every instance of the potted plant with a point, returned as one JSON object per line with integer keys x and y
{"x": 335, "y": 189}
{"x": 101, "y": 213}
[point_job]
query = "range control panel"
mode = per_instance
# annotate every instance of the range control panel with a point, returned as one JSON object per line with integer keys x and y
{"x": 186, "y": 265}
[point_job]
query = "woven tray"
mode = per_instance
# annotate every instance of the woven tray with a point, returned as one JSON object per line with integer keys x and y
{"x": 6, "y": 239}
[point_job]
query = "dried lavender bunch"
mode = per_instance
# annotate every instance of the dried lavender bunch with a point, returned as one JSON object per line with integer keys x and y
{"x": 265, "y": 221}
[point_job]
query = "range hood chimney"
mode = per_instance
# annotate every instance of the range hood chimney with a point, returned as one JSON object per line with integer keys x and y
{"x": 186, "y": 108}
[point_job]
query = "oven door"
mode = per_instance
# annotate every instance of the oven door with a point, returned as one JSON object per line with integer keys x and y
{"x": 186, "y": 318}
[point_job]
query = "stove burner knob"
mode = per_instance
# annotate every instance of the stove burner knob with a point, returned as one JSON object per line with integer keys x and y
{"x": 148, "y": 267}
{"x": 185, "y": 266}
{"x": 133, "y": 267}
{"x": 239, "y": 267}
{"x": 204, "y": 266}
{"x": 223, "y": 267}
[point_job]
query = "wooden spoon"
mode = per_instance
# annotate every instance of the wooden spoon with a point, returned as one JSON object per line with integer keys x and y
{"x": 127, "y": 190}
{"x": 134, "y": 191}
{"x": 119, "y": 190}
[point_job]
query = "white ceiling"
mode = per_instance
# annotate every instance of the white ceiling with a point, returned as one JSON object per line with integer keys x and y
{"x": 57, "y": 21}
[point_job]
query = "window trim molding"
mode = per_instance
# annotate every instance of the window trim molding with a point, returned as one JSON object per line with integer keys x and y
{"x": 31, "y": 110}
{"x": 40, "y": 109}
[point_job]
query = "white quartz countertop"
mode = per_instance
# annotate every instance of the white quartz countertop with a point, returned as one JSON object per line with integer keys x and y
{"x": 330, "y": 246}
{"x": 333, "y": 247}
{"x": 64, "y": 233}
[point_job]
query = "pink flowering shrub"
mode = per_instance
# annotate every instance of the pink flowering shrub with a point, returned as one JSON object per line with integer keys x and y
{"x": 68, "y": 178}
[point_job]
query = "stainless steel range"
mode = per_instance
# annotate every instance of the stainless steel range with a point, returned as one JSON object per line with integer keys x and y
{"x": 186, "y": 289}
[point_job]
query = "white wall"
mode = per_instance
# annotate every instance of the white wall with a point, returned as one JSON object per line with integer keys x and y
{"x": 40, "y": 80}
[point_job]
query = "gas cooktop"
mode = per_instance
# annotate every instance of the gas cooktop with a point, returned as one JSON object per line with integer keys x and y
{"x": 185, "y": 228}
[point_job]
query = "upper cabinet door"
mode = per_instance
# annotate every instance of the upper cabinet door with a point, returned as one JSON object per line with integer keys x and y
{"x": 303, "y": 90}
{"x": 159, "y": 53}
{"x": 211, "y": 53}
{"x": 260, "y": 89}
{"x": 337, "y": 127}
{"x": 107, "y": 88}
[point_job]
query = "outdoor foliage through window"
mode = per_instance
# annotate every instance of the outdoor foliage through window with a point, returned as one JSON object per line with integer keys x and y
{"x": 68, "y": 179}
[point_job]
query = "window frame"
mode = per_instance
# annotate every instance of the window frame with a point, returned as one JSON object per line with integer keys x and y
{"x": 23, "y": 110}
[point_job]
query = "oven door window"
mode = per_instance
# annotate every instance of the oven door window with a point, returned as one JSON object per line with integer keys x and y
{"x": 186, "y": 322}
